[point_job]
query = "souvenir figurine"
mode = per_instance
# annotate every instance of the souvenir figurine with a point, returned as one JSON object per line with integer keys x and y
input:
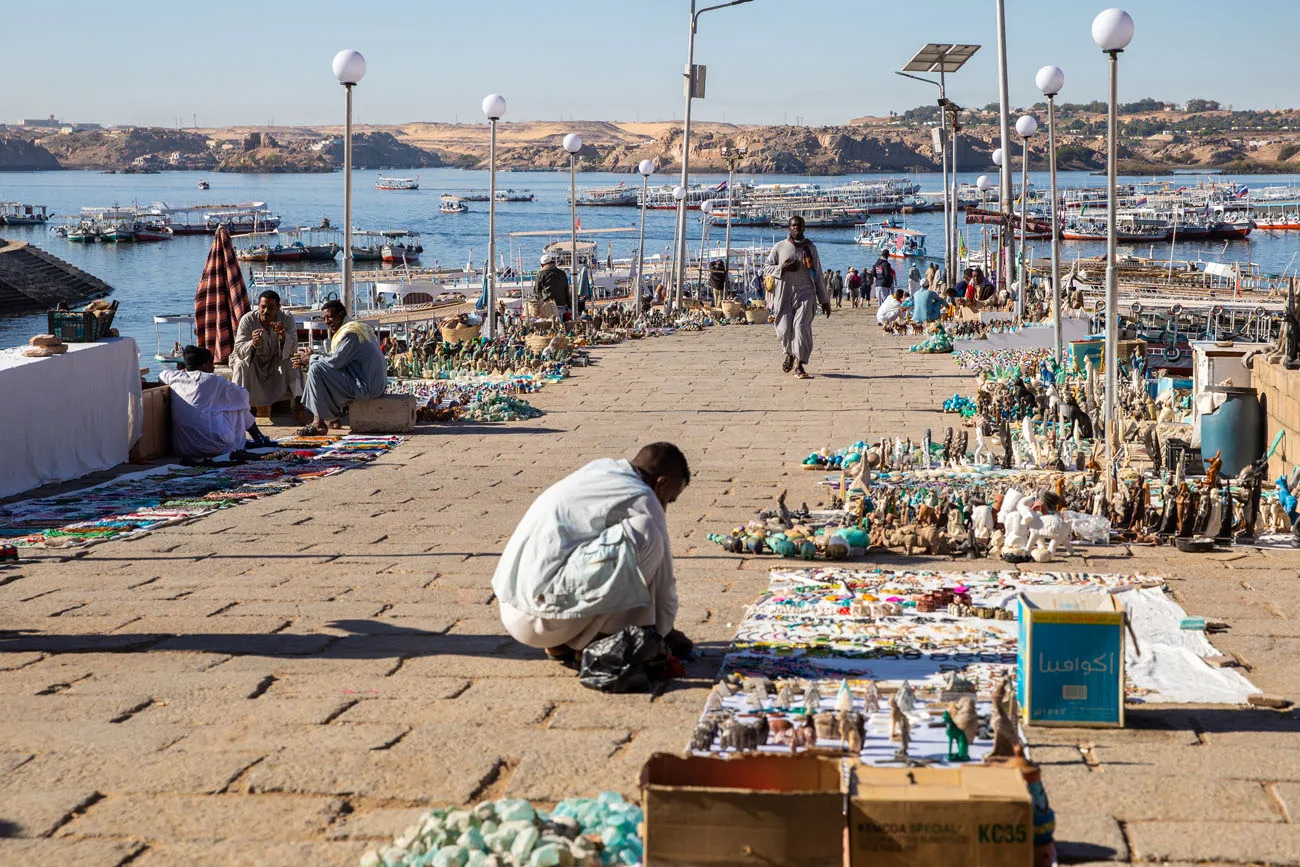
{"x": 852, "y": 726}
{"x": 812, "y": 699}
{"x": 967, "y": 717}
{"x": 1005, "y": 735}
{"x": 956, "y": 736}
{"x": 872, "y": 699}
{"x": 844, "y": 697}
{"x": 784, "y": 696}
{"x": 705, "y": 732}
{"x": 898, "y": 725}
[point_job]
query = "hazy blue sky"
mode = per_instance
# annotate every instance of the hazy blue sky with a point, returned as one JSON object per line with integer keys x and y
{"x": 824, "y": 61}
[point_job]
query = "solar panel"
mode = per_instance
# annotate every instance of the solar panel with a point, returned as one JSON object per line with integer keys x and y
{"x": 941, "y": 57}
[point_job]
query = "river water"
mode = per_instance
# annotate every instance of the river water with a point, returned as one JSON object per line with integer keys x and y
{"x": 160, "y": 278}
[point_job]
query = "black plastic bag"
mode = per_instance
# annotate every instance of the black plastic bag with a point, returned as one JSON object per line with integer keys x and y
{"x": 627, "y": 661}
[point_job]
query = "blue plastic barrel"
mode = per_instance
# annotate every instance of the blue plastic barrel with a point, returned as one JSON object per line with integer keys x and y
{"x": 1235, "y": 430}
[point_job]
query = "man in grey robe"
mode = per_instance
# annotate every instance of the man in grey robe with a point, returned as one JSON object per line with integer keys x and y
{"x": 797, "y": 292}
{"x": 353, "y": 368}
{"x": 265, "y": 343}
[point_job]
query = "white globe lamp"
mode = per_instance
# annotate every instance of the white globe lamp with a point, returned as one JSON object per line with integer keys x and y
{"x": 573, "y": 142}
{"x": 646, "y": 167}
{"x": 1112, "y": 29}
{"x": 679, "y": 192}
{"x": 997, "y": 156}
{"x": 1026, "y": 126}
{"x": 494, "y": 106}
{"x": 983, "y": 183}
{"x": 349, "y": 66}
{"x": 1050, "y": 80}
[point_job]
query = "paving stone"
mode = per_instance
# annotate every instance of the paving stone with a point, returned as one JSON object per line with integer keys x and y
{"x": 105, "y": 771}
{"x": 1245, "y": 842}
{"x": 411, "y": 775}
{"x": 37, "y": 812}
{"x": 262, "y": 738}
{"x": 378, "y": 826}
{"x": 68, "y": 853}
{"x": 182, "y": 818}
{"x": 241, "y": 854}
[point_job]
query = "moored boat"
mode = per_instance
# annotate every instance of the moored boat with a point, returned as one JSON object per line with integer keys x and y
{"x": 450, "y": 204}
{"x": 398, "y": 183}
{"x": 153, "y": 231}
{"x": 18, "y": 214}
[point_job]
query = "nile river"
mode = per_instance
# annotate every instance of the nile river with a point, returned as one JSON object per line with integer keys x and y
{"x": 159, "y": 278}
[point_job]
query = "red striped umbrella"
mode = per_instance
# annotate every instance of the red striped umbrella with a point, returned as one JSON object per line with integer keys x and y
{"x": 221, "y": 300}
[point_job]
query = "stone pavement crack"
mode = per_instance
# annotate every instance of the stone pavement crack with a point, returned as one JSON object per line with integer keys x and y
{"x": 78, "y": 809}
{"x": 132, "y": 711}
{"x": 263, "y": 685}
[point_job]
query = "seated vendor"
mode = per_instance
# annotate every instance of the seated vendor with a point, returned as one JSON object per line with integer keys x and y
{"x": 352, "y": 368}
{"x": 209, "y": 414}
{"x": 592, "y": 556}
{"x": 891, "y": 309}
{"x": 265, "y": 343}
{"x": 927, "y": 306}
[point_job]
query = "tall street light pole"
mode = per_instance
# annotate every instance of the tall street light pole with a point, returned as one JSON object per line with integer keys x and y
{"x": 943, "y": 58}
{"x": 1026, "y": 126}
{"x": 349, "y": 68}
{"x": 646, "y": 168}
{"x": 694, "y": 88}
{"x": 1112, "y": 30}
{"x": 494, "y": 107}
{"x": 733, "y": 156}
{"x": 679, "y": 196}
{"x": 573, "y": 144}
{"x": 1050, "y": 80}
{"x": 1004, "y": 145}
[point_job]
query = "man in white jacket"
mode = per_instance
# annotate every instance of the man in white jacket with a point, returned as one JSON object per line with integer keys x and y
{"x": 592, "y": 555}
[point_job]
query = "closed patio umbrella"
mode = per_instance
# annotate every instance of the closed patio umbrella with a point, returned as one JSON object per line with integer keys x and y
{"x": 221, "y": 300}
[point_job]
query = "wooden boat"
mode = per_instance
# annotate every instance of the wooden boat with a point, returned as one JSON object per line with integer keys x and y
{"x": 401, "y": 247}
{"x": 18, "y": 214}
{"x": 616, "y": 196}
{"x": 153, "y": 232}
{"x": 203, "y": 185}
{"x": 892, "y": 240}
{"x": 398, "y": 183}
{"x": 117, "y": 232}
{"x": 449, "y": 204}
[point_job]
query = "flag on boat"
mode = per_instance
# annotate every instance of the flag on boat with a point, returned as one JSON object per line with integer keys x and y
{"x": 720, "y": 187}
{"x": 1083, "y": 209}
{"x": 577, "y": 223}
{"x": 961, "y": 247}
{"x": 221, "y": 300}
{"x": 1140, "y": 202}
{"x": 1242, "y": 193}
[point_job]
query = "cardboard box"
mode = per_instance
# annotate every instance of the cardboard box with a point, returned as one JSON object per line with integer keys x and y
{"x": 1070, "y": 663}
{"x": 971, "y": 816}
{"x": 744, "y": 811}
{"x": 156, "y": 423}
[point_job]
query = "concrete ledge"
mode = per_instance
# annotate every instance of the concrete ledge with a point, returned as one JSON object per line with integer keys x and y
{"x": 388, "y": 414}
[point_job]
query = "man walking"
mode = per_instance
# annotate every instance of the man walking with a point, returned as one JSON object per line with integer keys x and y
{"x": 883, "y": 272}
{"x": 796, "y": 269}
{"x": 854, "y": 283}
{"x": 837, "y": 288}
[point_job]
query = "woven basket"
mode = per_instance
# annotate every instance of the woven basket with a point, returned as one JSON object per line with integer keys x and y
{"x": 544, "y": 309}
{"x": 457, "y": 333}
{"x": 538, "y": 342}
{"x": 733, "y": 309}
{"x": 757, "y": 316}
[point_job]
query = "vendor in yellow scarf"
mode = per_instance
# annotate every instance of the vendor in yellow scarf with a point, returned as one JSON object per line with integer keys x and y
{"x": 352, "y": 368}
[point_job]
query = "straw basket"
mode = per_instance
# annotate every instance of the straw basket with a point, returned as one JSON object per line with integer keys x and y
{"x": 538, "y": 342}
{"x": 733, "y": 309}
{"x": 757, "y": 316}
{"x": 457, "y": 333}
{"x": 540, "y": 309}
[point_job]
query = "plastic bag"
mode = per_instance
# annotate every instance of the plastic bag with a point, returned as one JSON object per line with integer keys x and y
{"x": 1089, "y": 528}
{"x": 627, "y": 661}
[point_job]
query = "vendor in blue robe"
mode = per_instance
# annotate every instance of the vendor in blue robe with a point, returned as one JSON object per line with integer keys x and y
{"x": 352, "y": 368}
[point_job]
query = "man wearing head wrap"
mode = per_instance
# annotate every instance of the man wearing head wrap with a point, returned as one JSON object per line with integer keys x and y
{"x": 265, "y": 343}
{"x": 798, "y": 289}
{"x": 352, "y": 368}
{"x": 552, "y": 283}
{"x": 209, "y": 414}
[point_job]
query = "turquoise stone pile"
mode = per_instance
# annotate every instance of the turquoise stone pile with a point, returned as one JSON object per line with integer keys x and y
{"x": 501, "y": 407}
{"x": 579, "y": 832}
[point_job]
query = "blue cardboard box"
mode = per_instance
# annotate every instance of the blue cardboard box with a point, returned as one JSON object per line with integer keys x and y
{"x": 1070, "y": 659}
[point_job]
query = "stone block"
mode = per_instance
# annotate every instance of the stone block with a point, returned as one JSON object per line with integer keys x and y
{"x": 388, "y": 414}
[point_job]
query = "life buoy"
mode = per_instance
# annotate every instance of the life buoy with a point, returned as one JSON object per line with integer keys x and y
{"x": 1177, "y": 310}
{"x": 1216, "y": 310}
{"x": 1136, "y": 307}
{"x": 1173, "y": 353}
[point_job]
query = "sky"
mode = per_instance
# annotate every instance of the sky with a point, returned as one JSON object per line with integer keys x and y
{"x": 237, "y": 62}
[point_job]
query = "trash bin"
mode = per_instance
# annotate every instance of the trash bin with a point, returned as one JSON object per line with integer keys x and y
{"x": 1235, "y": 430}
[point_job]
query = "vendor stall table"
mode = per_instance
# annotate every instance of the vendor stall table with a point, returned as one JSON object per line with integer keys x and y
{"x": 67, "y": 415}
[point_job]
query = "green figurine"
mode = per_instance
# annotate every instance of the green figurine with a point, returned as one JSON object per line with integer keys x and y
{"x": 955, "y": 734}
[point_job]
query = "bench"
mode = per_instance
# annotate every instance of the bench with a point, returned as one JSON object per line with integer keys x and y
{"x": 387, "y": 414}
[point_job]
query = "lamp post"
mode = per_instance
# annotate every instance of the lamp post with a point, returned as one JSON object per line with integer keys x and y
{"x": 706, "y": 217}
{"x": 679, "y": 250}
{"x": 349, "y": 68}
{"x": 733, "y": 156}
{"x": 983, "y": 184}
{"x": 646, "y": 168}
{"x": 1112, "y": 30}
{"x": 494, "y": 107}
{"x": 1004, "y": 145}
{"x": 691, "y": 86}
{"x": 1026, "y": 126}
{"x": 1050, "y": 80}
{"x": 573, "y": 144}
{"x": 1004, "y": 224}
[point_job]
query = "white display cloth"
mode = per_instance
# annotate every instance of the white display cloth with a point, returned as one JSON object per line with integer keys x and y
{"x": 68, "y": 415}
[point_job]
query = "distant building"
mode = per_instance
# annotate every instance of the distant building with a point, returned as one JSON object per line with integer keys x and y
{"x": 323, "y": 144}
{"x": 42, "y": 122}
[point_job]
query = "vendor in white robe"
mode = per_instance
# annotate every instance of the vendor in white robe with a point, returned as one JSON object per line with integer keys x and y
{"x": 210, "y": 414}
{"x": 798, "y": 290}
{"x": 592, "y": 556}
{"x": 352, "y": 368}
{"x": 265, "y": 343}
{"x": 891, "y": 309}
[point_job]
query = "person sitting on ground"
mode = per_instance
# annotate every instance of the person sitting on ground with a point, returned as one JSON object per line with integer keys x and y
{"x": 891, "y": 309}
{"x": 210, "y": 414}
{"x": 265, "y": 343}
{"x": 961, "y": 289}
{"x": 927, "y": 306}
{"x": 553, "y": 284}
{"x": 352, "y": 368}
{"x": 592, "y": 556}
{"x": 985, "y": 288}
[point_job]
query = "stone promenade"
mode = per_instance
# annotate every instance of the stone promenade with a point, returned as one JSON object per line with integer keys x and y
{"x": 290, "y": 682}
